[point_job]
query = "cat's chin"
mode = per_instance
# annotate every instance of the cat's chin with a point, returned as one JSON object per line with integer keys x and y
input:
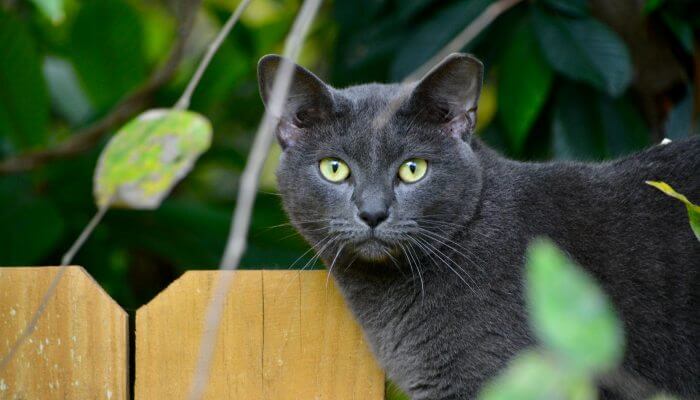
{"x": 373, "y": 250}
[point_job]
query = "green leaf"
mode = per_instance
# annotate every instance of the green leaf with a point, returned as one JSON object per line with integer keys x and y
{"x": 622, "y": 125}
{"x": 533, "y": 376}
{"x": 523, "y": 87}
{"x": 24, "y": 103}
{"x": 432, "y": 35}
{"x": 576, "y": 130}
{"x": 148, "y": 156}
{"x": 67, "y": 97}
{"x": 107, "y": 50}
{"x": 52, "y": 9}
{"x": 30, "y": 228}
{"x": 693, "y": 209}
{"x": 652, "y": 5}
{"x": 584, "y": 50}
{"x": 393, "y": 392}
{"x": 569, "y": 313}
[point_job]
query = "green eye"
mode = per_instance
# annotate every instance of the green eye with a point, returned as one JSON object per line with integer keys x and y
{"x": 334, "y": 169}
{"x": 413, "y": 170}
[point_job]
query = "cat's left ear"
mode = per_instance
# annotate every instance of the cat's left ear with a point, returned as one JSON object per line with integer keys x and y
{"x": 309, "y": 99}
{"x": 449, "y": 93}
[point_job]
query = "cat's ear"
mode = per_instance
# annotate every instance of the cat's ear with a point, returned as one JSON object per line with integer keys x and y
{"x": 309, "y": 99}
{"x": 448, "y": 94}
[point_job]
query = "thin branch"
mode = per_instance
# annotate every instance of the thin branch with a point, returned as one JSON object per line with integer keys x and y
{"x": 184, "y": 102}
{"x": 88, "y": 137}
{"x": 465, "y": 36}
{"x": 240, "y": 223}
{"x": 457, "y": 44}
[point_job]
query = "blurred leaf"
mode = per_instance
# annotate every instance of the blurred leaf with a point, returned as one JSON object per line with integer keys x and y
{"x": 679, "y": 123}
{"x": 148, "y": 156}
{"x": 30, "y": 228}
{"x": 487, "y": 106}
{"x": 584, "y": 50}
{"x": 428, "y": 38}
{"x": 652, "y": 5}
{"x": 52, "y": 9}
{"x": 393, "y": 392}
{"x": 576, "y": 130}
{"x": 107, "y": 50}
{"x": 67, "y": 97}
{"x": 24, "y": 104}
{"x": 569, "y": 313}
{"x": 159, "y": 30}
{"x": 574, "y": 8}
{"x": 533, "y": 376}
{"x": 693, "y": 210}
{"x": 523, "y": 87}
{"x": 682, "y": 29}
{"x": 622, "y": 125}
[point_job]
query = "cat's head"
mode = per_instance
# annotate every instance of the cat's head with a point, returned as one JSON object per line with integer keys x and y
{"x": 377, "y": 170}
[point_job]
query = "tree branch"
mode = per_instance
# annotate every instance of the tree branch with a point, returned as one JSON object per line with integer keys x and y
{"x": 135, "y": 102}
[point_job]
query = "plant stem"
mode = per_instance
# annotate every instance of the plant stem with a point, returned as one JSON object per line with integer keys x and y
{"x": 184, "y": 101}
{"x": 240, "y": 222}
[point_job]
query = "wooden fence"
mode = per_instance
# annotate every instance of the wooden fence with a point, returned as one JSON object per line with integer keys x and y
{"x": 283, "y": 335}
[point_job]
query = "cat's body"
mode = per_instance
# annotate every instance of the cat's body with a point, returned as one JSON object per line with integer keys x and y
{"x": 633, "y": 240}
{"x": 432, "y": 268}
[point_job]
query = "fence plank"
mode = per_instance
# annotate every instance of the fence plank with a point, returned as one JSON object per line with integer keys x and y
{"x": 313, "y": 347}
{"x": 169, "y": 329}
{"x": 284, "y": 335}
{"x": 79, "y": 349}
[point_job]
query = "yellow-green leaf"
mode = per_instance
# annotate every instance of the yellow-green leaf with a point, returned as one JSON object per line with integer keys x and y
{"x": 569, "y": 313}
{"x": 52, "y": 9}
{"x": 693, "y": 209}
{"x": 533, "y": 375}
{"x": 148, "y": 156}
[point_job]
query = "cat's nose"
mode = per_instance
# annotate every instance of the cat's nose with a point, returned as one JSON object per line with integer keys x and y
{"x": 374, "y": 217}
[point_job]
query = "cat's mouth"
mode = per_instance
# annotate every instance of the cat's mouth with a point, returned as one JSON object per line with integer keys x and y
{"x": 373, "y": 249}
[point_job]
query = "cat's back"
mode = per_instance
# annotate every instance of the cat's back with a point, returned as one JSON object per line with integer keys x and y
{"x": 636, "y": 242}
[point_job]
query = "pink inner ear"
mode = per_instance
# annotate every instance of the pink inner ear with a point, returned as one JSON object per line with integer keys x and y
{"x": 287, "y": 133}
{"x": 462, "y": 125}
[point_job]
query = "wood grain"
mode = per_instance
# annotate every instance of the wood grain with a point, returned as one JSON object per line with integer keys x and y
{"x": 79, "y": 349}
{"x": 284, "y": 335}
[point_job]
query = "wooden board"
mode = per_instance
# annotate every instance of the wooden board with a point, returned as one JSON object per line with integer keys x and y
{"x": 79, "y": 349}
{"x": 284, "y": 335}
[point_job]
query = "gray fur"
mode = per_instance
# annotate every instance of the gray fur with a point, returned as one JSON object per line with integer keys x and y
{"x": 444, "y": 315}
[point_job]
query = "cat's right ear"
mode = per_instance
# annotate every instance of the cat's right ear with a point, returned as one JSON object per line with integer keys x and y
{"x": 308, "y": 102}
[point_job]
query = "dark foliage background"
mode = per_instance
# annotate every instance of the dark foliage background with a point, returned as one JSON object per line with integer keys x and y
{"x": 567, "y": 79}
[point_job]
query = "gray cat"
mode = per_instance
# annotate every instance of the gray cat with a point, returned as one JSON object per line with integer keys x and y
{"x": 424, "y": 228}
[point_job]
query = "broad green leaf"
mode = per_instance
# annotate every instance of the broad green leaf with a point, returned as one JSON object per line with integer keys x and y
{"x": 428, "y": 38}
{"x": 693, "y": 209}
{"x": 24, "y": 103}
{"x": 30, "y": 228}
{"x": 623, "y": 126}
{"x": 52, "y": 9}
{"x": 524, "y": 82}
{"x": 569, "y": 313}
{"x": 576, "y": 130}
{"x": 679, "y": 123}
{"x": 534, "y": 376}
{"x": 148, "y": 156}
{"x": 585, "y": 50}
{"x": 106, "y": 42}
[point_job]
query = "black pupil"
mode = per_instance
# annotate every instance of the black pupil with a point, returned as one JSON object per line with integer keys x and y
{"x": 412, "y": 167}
{"x": 334, "y": 166}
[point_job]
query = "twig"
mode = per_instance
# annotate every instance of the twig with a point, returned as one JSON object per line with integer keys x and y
{"x": 184, "y": 102}
{"x": 48, "y": 295}
{"x": 456, "y": 44}
{"x": 465, "y": 36}
{"x": 135, "y": 102}
{"x": 246, "y": 195}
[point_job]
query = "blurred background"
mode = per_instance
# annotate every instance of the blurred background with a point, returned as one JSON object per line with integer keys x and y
{"x": 566, "y": 79}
